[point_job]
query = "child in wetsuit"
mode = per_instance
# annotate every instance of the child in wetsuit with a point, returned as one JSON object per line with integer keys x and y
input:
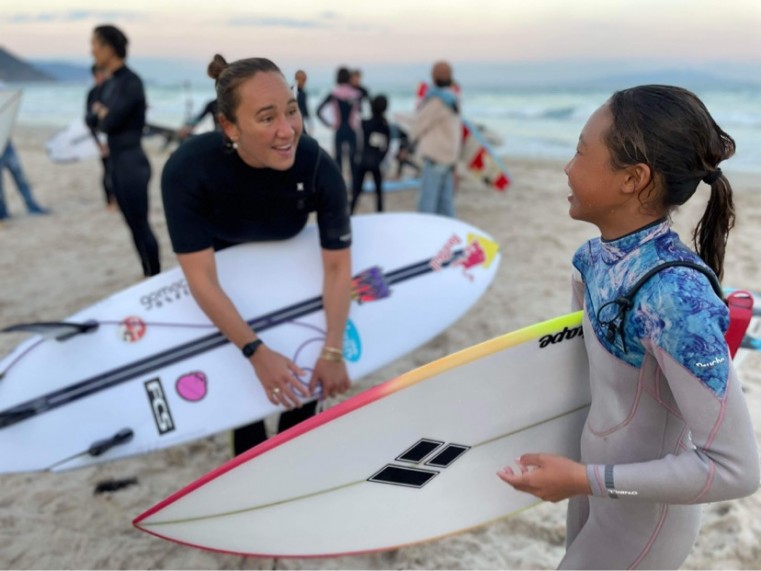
{"x": 668, "y": 427}
{"x": 376, "y": 134}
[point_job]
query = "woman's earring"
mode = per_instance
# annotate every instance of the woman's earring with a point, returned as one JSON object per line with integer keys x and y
{"x": 235, "y": 144}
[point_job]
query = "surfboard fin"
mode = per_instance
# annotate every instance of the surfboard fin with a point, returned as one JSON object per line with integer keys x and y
{"x": 60, "y": 331}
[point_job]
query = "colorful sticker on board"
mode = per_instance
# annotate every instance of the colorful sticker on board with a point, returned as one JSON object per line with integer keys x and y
{"x": 369, "y": 285}
{"x": 444, "y": 255}
{"x": 192, "y": 387}
{"x": 480, "y": 251}
{"x": 132, "y": 329}
{"x": 352, "y": 342}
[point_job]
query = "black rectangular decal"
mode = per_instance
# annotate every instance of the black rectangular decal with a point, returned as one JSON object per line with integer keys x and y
{"x": 159, "y": 406}
{"x": 419, "y": 450}
{"x": 445, "y": 458}
{"x": 403, "y": 476}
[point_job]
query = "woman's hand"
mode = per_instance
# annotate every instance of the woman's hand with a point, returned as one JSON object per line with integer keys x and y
{"x": 548, "y": 476}
{"x": 99, "y": 109}
{"x": 279, "y": 377}
{"x": 331, "y": 375}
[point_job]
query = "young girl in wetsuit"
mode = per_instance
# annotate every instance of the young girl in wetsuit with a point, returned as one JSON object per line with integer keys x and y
{"x": 668, "y": 428}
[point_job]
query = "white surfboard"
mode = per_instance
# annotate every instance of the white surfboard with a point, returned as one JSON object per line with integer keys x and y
{"x": 10, "y": 101}
{"x": 407, "y": 461}
{"x": 144, "y": 369}
{"x": 73, "y": 143}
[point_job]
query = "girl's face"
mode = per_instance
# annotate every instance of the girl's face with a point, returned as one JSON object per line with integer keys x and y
{"x": 596, "y": 187}
{"x": 268, "y": 122}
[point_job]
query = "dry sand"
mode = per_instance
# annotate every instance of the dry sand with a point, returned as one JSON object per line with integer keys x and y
{"x": 53, "y": 266}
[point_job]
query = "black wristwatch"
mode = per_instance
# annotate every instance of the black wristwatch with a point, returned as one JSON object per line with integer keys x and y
{"x": 249, "y": 349}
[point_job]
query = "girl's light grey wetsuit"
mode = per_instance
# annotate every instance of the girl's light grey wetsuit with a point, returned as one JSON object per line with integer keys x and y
{"x": 668, "y": 428}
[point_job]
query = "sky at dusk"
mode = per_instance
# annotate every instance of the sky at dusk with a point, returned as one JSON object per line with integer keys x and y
{"x": 363, "y": 32}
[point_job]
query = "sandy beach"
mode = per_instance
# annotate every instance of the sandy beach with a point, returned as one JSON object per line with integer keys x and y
{"x": 52, "y": 266}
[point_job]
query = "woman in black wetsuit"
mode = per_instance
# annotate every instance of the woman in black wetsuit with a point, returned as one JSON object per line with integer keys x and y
{"x": 119, "y": 111}
{"x": 345, "y": 101}
{"x": 259, "y": 180}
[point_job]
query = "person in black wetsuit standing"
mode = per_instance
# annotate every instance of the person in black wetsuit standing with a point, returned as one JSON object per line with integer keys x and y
{"x": 376, "y": 135}
{"x": 258, "y": 180}
{"x": 119, "y": 111}
{"x": 345, "y": 101}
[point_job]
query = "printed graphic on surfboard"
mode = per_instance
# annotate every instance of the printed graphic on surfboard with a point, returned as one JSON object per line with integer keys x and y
{"x": 148, "y": 371}
{"x": 407, "y": 461}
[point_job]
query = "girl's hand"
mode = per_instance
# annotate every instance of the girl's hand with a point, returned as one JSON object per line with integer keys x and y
{"x": 547, "y": 476}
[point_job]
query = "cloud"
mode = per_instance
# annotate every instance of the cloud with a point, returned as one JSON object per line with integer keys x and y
{"x": 70, "y": 16}
{"x": 277, "y": 22}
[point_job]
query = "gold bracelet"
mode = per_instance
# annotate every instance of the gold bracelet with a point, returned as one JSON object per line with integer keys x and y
{"x": 331, "y": 354}
{"x": 335, "y": 350}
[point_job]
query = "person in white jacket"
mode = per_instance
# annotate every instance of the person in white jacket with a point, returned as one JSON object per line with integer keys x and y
{"x": 436, "y": 132}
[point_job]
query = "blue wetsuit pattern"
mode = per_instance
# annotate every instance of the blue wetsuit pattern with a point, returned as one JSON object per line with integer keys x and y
{"x": 697, "y": 319}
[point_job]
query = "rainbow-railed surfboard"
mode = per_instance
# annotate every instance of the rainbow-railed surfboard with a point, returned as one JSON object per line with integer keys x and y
{"x": 410, "y": 460}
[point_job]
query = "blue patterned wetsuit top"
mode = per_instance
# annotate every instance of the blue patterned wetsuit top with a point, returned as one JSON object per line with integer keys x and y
{"x": 676, "y": 310}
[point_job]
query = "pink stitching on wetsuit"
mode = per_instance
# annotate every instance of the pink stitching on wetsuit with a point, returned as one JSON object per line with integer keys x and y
{"x": 649, "y": 545}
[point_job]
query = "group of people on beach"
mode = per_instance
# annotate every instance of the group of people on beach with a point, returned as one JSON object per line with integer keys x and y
{"x": 668, "y": 427}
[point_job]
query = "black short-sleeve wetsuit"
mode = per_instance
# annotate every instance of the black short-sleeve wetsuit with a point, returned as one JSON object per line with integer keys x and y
{"x": 212, "y": 199}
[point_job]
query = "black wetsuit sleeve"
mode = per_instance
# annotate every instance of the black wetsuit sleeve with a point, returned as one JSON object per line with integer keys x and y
{"x": 184, "y": 205}
{"x": 209, "y": 109}
{"x": 333, "y": 218}
{"x": 123, "y": 109}
{"x": 301, "y": 99}
{"x": 321, "y": 107}
{"x": 91, "y": 119}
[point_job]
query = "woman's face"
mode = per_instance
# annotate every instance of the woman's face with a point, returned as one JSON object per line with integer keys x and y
{"x": 268, "y": 122}
{"x": 102, "y": 53}
{"x": 595, "y": 195}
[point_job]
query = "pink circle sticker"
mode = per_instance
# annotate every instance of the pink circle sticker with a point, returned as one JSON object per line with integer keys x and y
{"x": 192, "y": 386}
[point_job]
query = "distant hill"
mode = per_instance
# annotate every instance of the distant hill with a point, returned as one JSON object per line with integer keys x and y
{"x": 62, "y": 71}
{"x": 13, "y": 69}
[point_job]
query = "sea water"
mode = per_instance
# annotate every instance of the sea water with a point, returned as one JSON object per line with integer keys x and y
{"x": 534, "y": 123}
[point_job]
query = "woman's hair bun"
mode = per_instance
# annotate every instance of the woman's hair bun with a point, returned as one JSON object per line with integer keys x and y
{"x": 216, "y": 67}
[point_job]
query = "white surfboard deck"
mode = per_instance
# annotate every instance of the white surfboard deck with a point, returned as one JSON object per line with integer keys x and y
{"x": 349, "y": 481}
{"x": 10, "y": 101}
{"x": 156, "y": 366}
